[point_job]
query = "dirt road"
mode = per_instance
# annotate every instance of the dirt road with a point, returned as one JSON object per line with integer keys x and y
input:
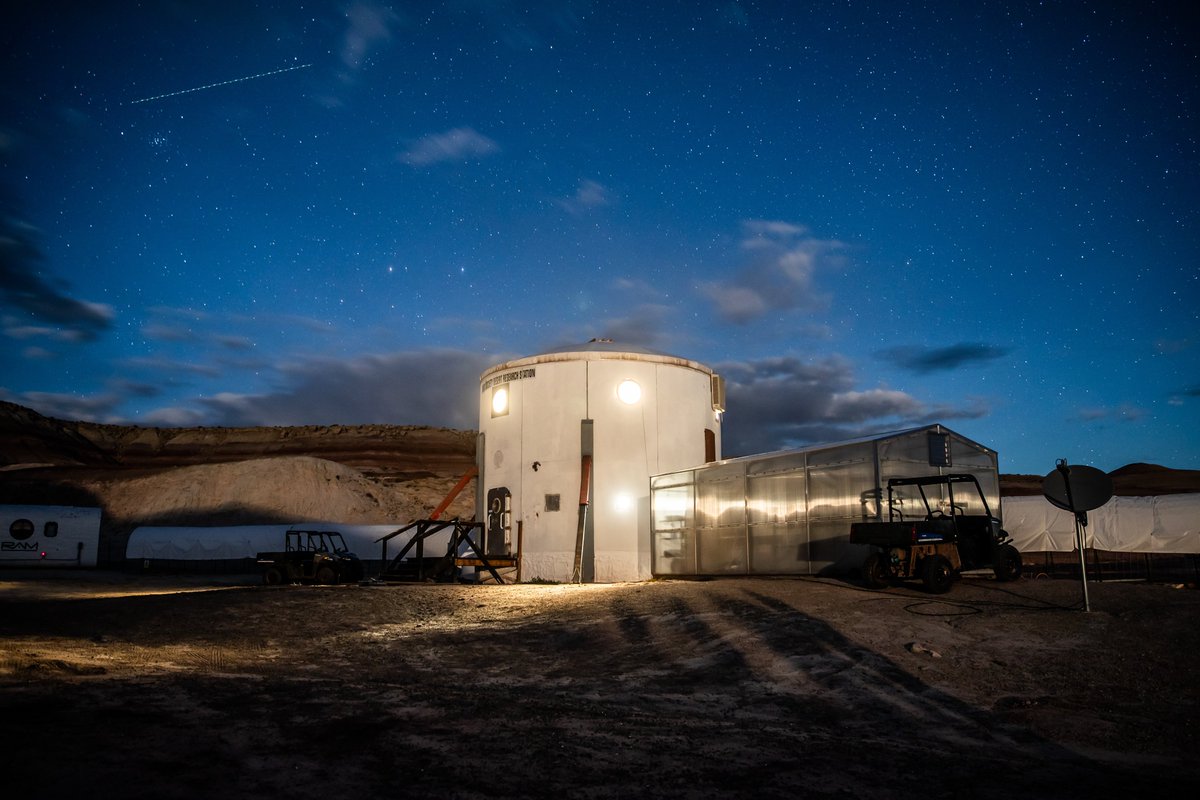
{"x": 116, "y": 686}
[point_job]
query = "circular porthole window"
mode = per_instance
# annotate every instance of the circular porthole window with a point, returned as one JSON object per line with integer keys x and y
{"x": 21, "y": 529}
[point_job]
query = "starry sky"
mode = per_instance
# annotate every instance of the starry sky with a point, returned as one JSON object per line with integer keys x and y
{"x": 865, "y": 215}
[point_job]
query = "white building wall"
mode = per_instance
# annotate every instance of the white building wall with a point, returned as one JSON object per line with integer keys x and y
{"x": 663, "y": 430}
{"x": 626, "y": 443}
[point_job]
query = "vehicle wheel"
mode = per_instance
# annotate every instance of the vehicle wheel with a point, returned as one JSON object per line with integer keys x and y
{"x": 326, "y": 575}
{"x": 273, "y": 576}
{"x": 875, "y": 572}
{"x": 1008, "y": 563}
{"x": 937, "y": 574}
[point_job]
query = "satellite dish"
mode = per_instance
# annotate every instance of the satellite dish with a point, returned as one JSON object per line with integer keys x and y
{"x": 1076, "y": 488}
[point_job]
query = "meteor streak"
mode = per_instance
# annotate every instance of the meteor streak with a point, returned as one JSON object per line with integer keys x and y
{"x": 214, "y": 85}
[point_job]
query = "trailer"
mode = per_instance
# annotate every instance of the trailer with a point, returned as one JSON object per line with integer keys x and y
{"x": 49, "y": 536}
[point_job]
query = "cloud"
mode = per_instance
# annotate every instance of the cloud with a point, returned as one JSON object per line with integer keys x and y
{"x": 859, "y": 407}
{"x": 163, "y": 332}
{"x": 458, "y": 144}
{"x": 646, "y": 325}
{"x": 1171, "y": 346}
{"x": 222, "y": 331}
{"x": 370, "y": 24}
{"x": 529, "y": 26}
{"x": 1180, "y": 398}
{"x": 427, "y": 387}
{"x": 780, "y": 403}
{"x": 103, "y": 407}
{"x": 174, "y": 417}
{"x": 129, "y": 388}
{"x": 22, "y": 287}
{"x": 588, "y": 195}
{"x": 782, "y": 262}
{"x": 15, "y": 330}
{"x": 924, "y": 360}
{"x": 735, "y": 16}
{"x": 167, "y": 333}
{"x": 161, "y": 367}
{"x": 95, "y": 408}
{"x": 232, "y": 342}
{"x": 1126, "y": 412}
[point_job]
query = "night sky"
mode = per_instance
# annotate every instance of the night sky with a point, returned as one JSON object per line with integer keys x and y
{"x": 866, "y": 216}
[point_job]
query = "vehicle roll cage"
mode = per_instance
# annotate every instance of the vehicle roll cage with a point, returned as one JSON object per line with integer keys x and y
{"x": 934, "y": 480}
{"x": 315, "y": 542}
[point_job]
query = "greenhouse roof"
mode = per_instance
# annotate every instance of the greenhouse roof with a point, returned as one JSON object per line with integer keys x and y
{"x": 874, "y": 437}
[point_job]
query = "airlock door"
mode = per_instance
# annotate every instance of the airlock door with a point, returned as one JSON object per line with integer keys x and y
{"x": 498, "y": 540}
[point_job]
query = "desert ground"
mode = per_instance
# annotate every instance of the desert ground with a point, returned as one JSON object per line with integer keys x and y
{"x": 115, "y": 685}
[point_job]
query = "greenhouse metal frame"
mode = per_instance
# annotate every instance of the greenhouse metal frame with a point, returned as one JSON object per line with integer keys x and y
{"x": 789, "y": 512}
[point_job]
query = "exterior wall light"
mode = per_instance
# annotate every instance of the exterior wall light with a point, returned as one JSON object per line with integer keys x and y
{"x": 500, "y": 401}
{"x": 629, "y": 392}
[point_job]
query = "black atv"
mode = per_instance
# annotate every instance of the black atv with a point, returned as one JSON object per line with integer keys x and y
{"x": 937, "y": 547}
{"x": 311, "y": 557}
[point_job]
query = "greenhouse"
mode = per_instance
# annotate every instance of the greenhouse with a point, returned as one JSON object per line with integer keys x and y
{"x": 789, "y": 512}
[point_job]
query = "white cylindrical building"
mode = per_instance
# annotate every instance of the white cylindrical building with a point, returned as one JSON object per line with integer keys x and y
{"x": 568, "y": 442}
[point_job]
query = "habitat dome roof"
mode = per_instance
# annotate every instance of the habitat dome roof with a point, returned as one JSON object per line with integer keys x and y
{"x": 605, "y": 346}
{"x": 597, "y": 349}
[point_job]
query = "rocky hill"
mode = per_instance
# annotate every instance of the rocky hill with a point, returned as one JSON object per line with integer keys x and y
{"x": 368, "y": 474}
{"x": 392, "y": 452}
{"x": 1131, "y": 480}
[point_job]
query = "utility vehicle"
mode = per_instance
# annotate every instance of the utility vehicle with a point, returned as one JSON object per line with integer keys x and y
{"x": 937, "y": 546}
{"x": 311, "y": 557}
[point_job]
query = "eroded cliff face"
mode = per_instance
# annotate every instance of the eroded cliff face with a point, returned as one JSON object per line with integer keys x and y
{"x": 222, "y": 476}
{"x": 28, "y": 438}
{"x": 383, "y": 448}
{"x": 282, "y": 489}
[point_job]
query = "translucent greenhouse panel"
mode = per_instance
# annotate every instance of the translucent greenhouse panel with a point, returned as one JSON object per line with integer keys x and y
{"x": 842, "y": 454}
{"x": 722, "y": 551}
{"x": 843, "y": 492}
{"x": 685, "y": 478}
{"x": 983, "y": 464}
{"x": 966, "y": 500}
{"x": 911, "y": 448}
{"x": 776, "y": 499}
{"x": 968, "y": 458}
{"x": 779, "y": 549}
{"x": 674, "y": 535}
{"x": 905, "y": 469}
{"x": 775, "y": 509}
{"x": 906, "y": 500}
{"x": 721, "y": 497}
{"x": 675, "y": 552}
{"x": 673, "y": 508}
{"x": 990, "y": 483}
{"x": 830, "y": 549}
{"x": 783, "y": 463}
